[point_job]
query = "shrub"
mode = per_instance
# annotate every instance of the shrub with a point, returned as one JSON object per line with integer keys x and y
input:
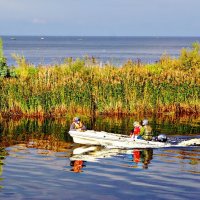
{"x": 3, "y": 61}
{"x": 190, "y": 58}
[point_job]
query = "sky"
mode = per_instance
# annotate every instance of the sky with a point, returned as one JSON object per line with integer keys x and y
{"x": 100, "y": 17}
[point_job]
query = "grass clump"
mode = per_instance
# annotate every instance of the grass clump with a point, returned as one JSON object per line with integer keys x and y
{"x": 4, "y": 72}
{"x": 171, "y": 85}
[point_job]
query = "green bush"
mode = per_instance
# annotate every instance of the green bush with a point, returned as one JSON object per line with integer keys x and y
{"x": 190, "y": 58}
{"x": 3, "y": 65}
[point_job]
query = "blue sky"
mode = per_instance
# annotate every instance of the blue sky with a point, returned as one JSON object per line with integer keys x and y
{"x": 100, "y": 17}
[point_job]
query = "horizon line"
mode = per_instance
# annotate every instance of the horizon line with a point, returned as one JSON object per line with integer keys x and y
{"x": 24, "y": 35}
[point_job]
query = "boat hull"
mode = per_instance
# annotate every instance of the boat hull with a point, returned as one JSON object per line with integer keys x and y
{"x": 112, "y": 140}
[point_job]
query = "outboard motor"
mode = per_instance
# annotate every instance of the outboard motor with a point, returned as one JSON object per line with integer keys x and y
{"x": 161, "y": 138}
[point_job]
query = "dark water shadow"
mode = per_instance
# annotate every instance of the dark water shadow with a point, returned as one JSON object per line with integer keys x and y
{"x": 55, "y": 131}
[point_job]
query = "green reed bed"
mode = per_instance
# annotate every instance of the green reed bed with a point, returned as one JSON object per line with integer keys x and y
{"x": 81, "y": 86}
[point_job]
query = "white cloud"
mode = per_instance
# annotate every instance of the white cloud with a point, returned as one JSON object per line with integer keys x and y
{"x": 39, "y": 21}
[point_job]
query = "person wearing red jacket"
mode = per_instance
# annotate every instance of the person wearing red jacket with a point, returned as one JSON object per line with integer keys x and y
{"x": 136, "y": 131}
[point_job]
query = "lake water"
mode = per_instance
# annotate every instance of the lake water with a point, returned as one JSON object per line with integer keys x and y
{"x": 38, "y": 160}
{"x": 116, "y": 50}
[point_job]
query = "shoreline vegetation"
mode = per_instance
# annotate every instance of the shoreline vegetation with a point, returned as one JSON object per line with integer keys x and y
{"x": 170, "y": 86}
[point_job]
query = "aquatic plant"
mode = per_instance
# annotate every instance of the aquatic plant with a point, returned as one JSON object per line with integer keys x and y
{"x": 1, "y": 48}
{"x": 169, "y": 86}
{"x": 3, "y": 65}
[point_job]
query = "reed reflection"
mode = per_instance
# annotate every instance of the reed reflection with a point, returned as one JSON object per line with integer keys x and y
{"x": 3, "y": 154}
{"x": 15, "y": 131}
{"x": 44, "y": 133}
{"x": 188, "y": 159}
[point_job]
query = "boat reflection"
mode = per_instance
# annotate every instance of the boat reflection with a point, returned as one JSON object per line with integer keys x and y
{"x": 135, "y": 157}
{"x": 93, "y": 153}
{"x": 77, "y": 165}
{"x": 143, "y": 156}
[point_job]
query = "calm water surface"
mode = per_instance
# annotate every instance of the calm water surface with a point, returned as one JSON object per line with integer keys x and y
{"x": 116, "y": 50}
{"x": 40, "y": 161}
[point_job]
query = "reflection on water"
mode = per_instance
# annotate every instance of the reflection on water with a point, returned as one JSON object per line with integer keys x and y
{"x": 145, "y": 156}
{"x": 3, "y": 154}
{"x": 187, "y": 159}
{"x": 135, "y": 158}
{"x": 77, "y": 165}
{"x": 56, "y": 130}
{"x": 47, "y": 174}
{"x": 38, "y": 160}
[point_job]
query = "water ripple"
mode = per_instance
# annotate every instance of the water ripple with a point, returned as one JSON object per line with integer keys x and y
{"x": 30, "y": 173}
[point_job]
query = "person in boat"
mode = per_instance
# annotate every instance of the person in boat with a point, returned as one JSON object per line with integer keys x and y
{"x": 136, "y": 130}
{"x": 77, "y": 125}
{"x": 145, "y": 131}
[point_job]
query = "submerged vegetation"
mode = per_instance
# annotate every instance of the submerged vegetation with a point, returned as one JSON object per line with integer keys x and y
{"x": 171, "y": 85}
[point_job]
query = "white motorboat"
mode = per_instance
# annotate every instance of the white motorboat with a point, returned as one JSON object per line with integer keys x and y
{"x": 111, "y": 140}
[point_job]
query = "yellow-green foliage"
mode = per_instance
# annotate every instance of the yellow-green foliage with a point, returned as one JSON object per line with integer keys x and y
{"x": 170, "y": 85}
{"x": 23, "y": 69}
{"x": 3, "y": 65}
{"x": 190, "y": 59}
{"x": 1, "y": 48}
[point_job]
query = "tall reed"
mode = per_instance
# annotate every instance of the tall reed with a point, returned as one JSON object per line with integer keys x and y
{"x": 79, "y": 86}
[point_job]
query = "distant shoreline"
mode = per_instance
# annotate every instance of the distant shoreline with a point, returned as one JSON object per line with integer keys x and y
{"x": 108, "y": 36}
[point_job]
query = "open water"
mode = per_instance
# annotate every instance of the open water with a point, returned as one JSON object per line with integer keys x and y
{"x": 38, "y": 160}
{"x": 116, "y": 50}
